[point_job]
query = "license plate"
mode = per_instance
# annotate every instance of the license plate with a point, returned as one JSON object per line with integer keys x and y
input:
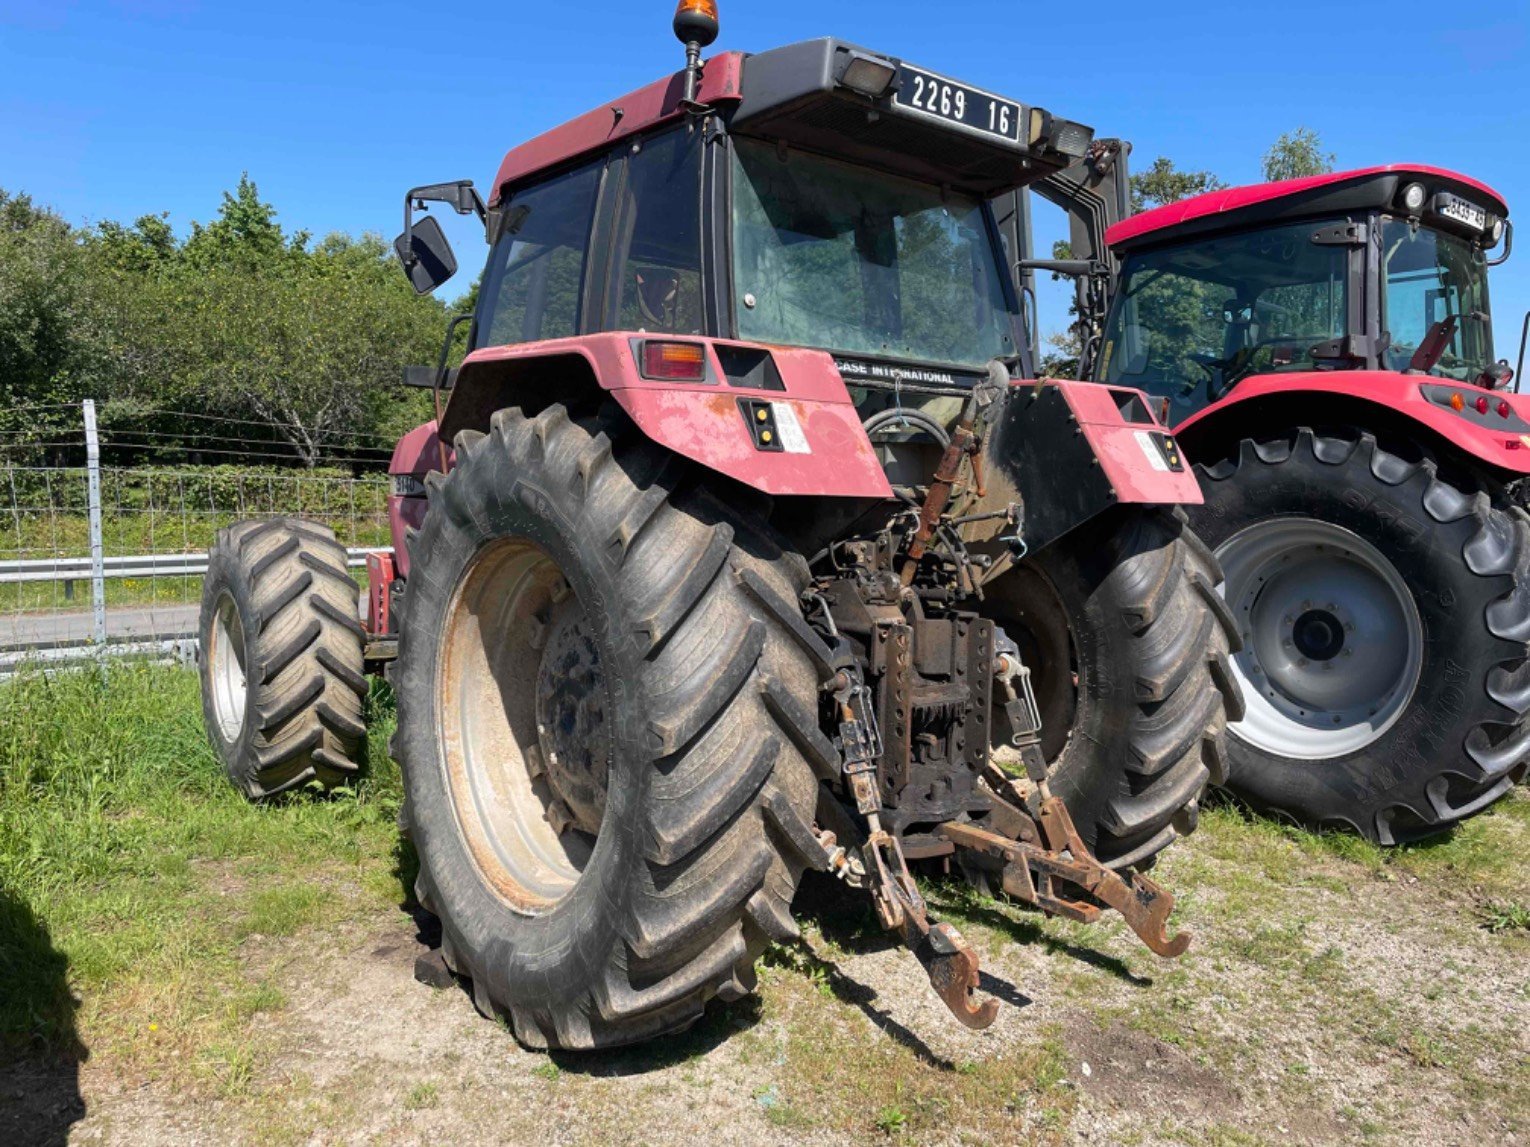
{"x": 950, "y": 102}
{"x": 1464, "y": 212}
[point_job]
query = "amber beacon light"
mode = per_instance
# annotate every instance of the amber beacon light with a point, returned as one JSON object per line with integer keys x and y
{"x": 696, "y": 28}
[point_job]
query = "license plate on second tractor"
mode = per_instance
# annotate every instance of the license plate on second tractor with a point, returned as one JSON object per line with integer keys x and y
{"x": 1461, "y": 211}
{"x": 946, "y": 100}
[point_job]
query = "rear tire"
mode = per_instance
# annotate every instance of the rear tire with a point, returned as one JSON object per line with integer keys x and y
{"x": 1437, "y": 559}
{"x": 282, "y": 658}
{"x": 1128, "y": 645}
{"x": 632, "y": 620}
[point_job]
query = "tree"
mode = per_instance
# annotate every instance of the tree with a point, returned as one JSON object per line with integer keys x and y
{"x": 1164, "y": 183}
{"x": 247, "y": 321}
{"x": 47, "y": 325}
{"x": 1295, "y": 154}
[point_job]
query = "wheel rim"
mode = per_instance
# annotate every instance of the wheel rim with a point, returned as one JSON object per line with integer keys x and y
{"x": 1332, "y": 640}
{"x": 230, "y": 689}
{"x": 522, "y": 700}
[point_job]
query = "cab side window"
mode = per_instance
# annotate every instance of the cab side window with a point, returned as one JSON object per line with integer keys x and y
{"x": 656, "y": 269}
{"x": 535, "y": 278}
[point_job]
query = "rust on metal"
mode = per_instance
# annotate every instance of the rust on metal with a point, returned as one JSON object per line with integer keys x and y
{"x": 1033, "y": 872}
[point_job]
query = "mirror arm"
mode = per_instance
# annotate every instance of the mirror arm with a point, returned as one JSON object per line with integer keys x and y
{"x": 1508, "y": 246}
{"x": 1524, "y": 334}
{"x": 460, "y": 194}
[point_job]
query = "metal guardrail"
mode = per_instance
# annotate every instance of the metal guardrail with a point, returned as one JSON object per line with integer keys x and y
{"x": 134, "y": 566}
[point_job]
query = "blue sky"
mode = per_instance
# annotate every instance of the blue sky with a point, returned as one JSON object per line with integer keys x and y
{"x": 113, "y": 108}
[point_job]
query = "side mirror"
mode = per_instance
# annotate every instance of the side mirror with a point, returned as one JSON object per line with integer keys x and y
{"x": 426, "y": 255}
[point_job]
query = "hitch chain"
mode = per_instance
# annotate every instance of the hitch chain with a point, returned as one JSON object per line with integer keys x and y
{"x": 946, "y": 957}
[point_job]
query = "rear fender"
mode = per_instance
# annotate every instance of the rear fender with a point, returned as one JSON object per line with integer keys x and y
{"x": 1380, "y": 402}
{"x": 1068, "y": 451}
{"x": 707, "y": 422}
{"x": 418, "y": 453}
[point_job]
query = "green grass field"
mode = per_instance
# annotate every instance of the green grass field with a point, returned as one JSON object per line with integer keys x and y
{"x": 214, "y": 962}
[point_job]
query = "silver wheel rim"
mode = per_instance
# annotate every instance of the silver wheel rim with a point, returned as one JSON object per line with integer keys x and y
{"x": 1332, "y": 641}
{"x": 230, "y": 690}
{"x": 524, "y": 739}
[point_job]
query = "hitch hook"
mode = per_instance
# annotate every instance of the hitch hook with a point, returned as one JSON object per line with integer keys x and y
{"x": 953, "y": 970}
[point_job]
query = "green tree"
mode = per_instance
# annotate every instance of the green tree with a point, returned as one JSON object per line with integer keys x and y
{"x": 1164, "y": 183}
{"x": 245, "y": 233}
{"x": 1295, "y": 154}
{"x": 47, "y": 324}
{"x": 246, "y": 321}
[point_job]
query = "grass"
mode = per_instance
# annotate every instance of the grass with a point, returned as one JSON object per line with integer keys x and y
{"x": 133, "y": 878}
{"x": 150, "y": 915}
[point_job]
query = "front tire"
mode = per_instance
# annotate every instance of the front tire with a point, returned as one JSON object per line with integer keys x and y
{"x": 1128, "y": 644}
{"x": 1385, "y": 610}
{"x": 605, "y": 739}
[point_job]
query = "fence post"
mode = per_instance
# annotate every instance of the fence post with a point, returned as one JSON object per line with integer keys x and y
{"x": 93, "y": 495}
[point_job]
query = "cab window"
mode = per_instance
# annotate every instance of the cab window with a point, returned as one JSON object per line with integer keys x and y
{"x": 1191, "y": 321}
{"x": 535, "y": 277}
{"x": 656, "y": 269}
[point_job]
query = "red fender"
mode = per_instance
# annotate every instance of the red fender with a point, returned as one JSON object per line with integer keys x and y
{"x": 705, "y": 421}
{"x": 1501, "y": 442}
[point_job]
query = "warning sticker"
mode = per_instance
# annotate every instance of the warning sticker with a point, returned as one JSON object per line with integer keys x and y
{"x": 1150, "y": 450}
{"x": 793, "y": 441}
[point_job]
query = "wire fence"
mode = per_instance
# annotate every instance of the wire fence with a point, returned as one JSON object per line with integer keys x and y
{"x": 104, "y": 533}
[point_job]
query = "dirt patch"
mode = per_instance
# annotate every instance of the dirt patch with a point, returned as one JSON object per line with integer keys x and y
{"x": 1323, "y": 1001}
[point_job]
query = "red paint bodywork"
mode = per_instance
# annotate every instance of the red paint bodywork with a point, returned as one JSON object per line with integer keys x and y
{"x": 417, "y": 454}
{"x": 381, "y": 571}
{"x": 1119, "y": 451}
{"x": 1235, "y": 198}
{"x": 1502, "y": 450}
{"x": 640, "y": 110}
{"x": 702, "y": 421}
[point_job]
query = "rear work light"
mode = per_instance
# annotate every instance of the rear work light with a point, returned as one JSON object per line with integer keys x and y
{"x": 673, "y": 362}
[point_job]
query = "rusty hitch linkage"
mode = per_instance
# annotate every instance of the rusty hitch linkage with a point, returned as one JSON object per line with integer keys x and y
{"x": 950, "y": 963}
{"x": 1037, "y": 852}
{"x": 1039, "y": 846}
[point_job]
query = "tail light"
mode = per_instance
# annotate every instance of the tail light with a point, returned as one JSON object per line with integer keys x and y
{"x": 673, "y": 361}
{"x": 1482, "y": 404}
{"x": 1503, "y": 408}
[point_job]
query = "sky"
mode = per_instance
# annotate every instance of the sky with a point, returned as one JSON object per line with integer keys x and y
{"x": 110, "y": 109}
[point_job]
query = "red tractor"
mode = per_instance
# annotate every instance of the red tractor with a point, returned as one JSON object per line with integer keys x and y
{"x": 751, "y": 552}
{"x": 1323, "y": 349}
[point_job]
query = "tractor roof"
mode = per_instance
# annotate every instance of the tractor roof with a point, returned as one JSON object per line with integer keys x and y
{"x": 635, "y": 112}
{"x": 1336, "y": 192}
{"x": 799, "y": 94}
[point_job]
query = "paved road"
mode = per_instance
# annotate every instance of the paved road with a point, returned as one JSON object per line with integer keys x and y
{"x": 65, "y": 628}
{"x": 75, "y": 627}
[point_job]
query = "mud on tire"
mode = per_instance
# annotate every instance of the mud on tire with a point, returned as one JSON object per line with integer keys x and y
{"x": 282, "y": 658}
{"x": 1460, "y": 739}
{"x": 709, "y": 710}
{"x": 1128, "y": 643}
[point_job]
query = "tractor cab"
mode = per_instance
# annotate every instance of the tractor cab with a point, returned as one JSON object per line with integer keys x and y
{"x": 1381, "y": 270}
{"x": 817, "y": 195}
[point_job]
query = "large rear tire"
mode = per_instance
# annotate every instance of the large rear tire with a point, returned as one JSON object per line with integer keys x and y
{"x": 1385, "y": 611}
{"x": 1128, "y": 644}
{"x": 607, "y": 730}
{"x": 282, "y": 658}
